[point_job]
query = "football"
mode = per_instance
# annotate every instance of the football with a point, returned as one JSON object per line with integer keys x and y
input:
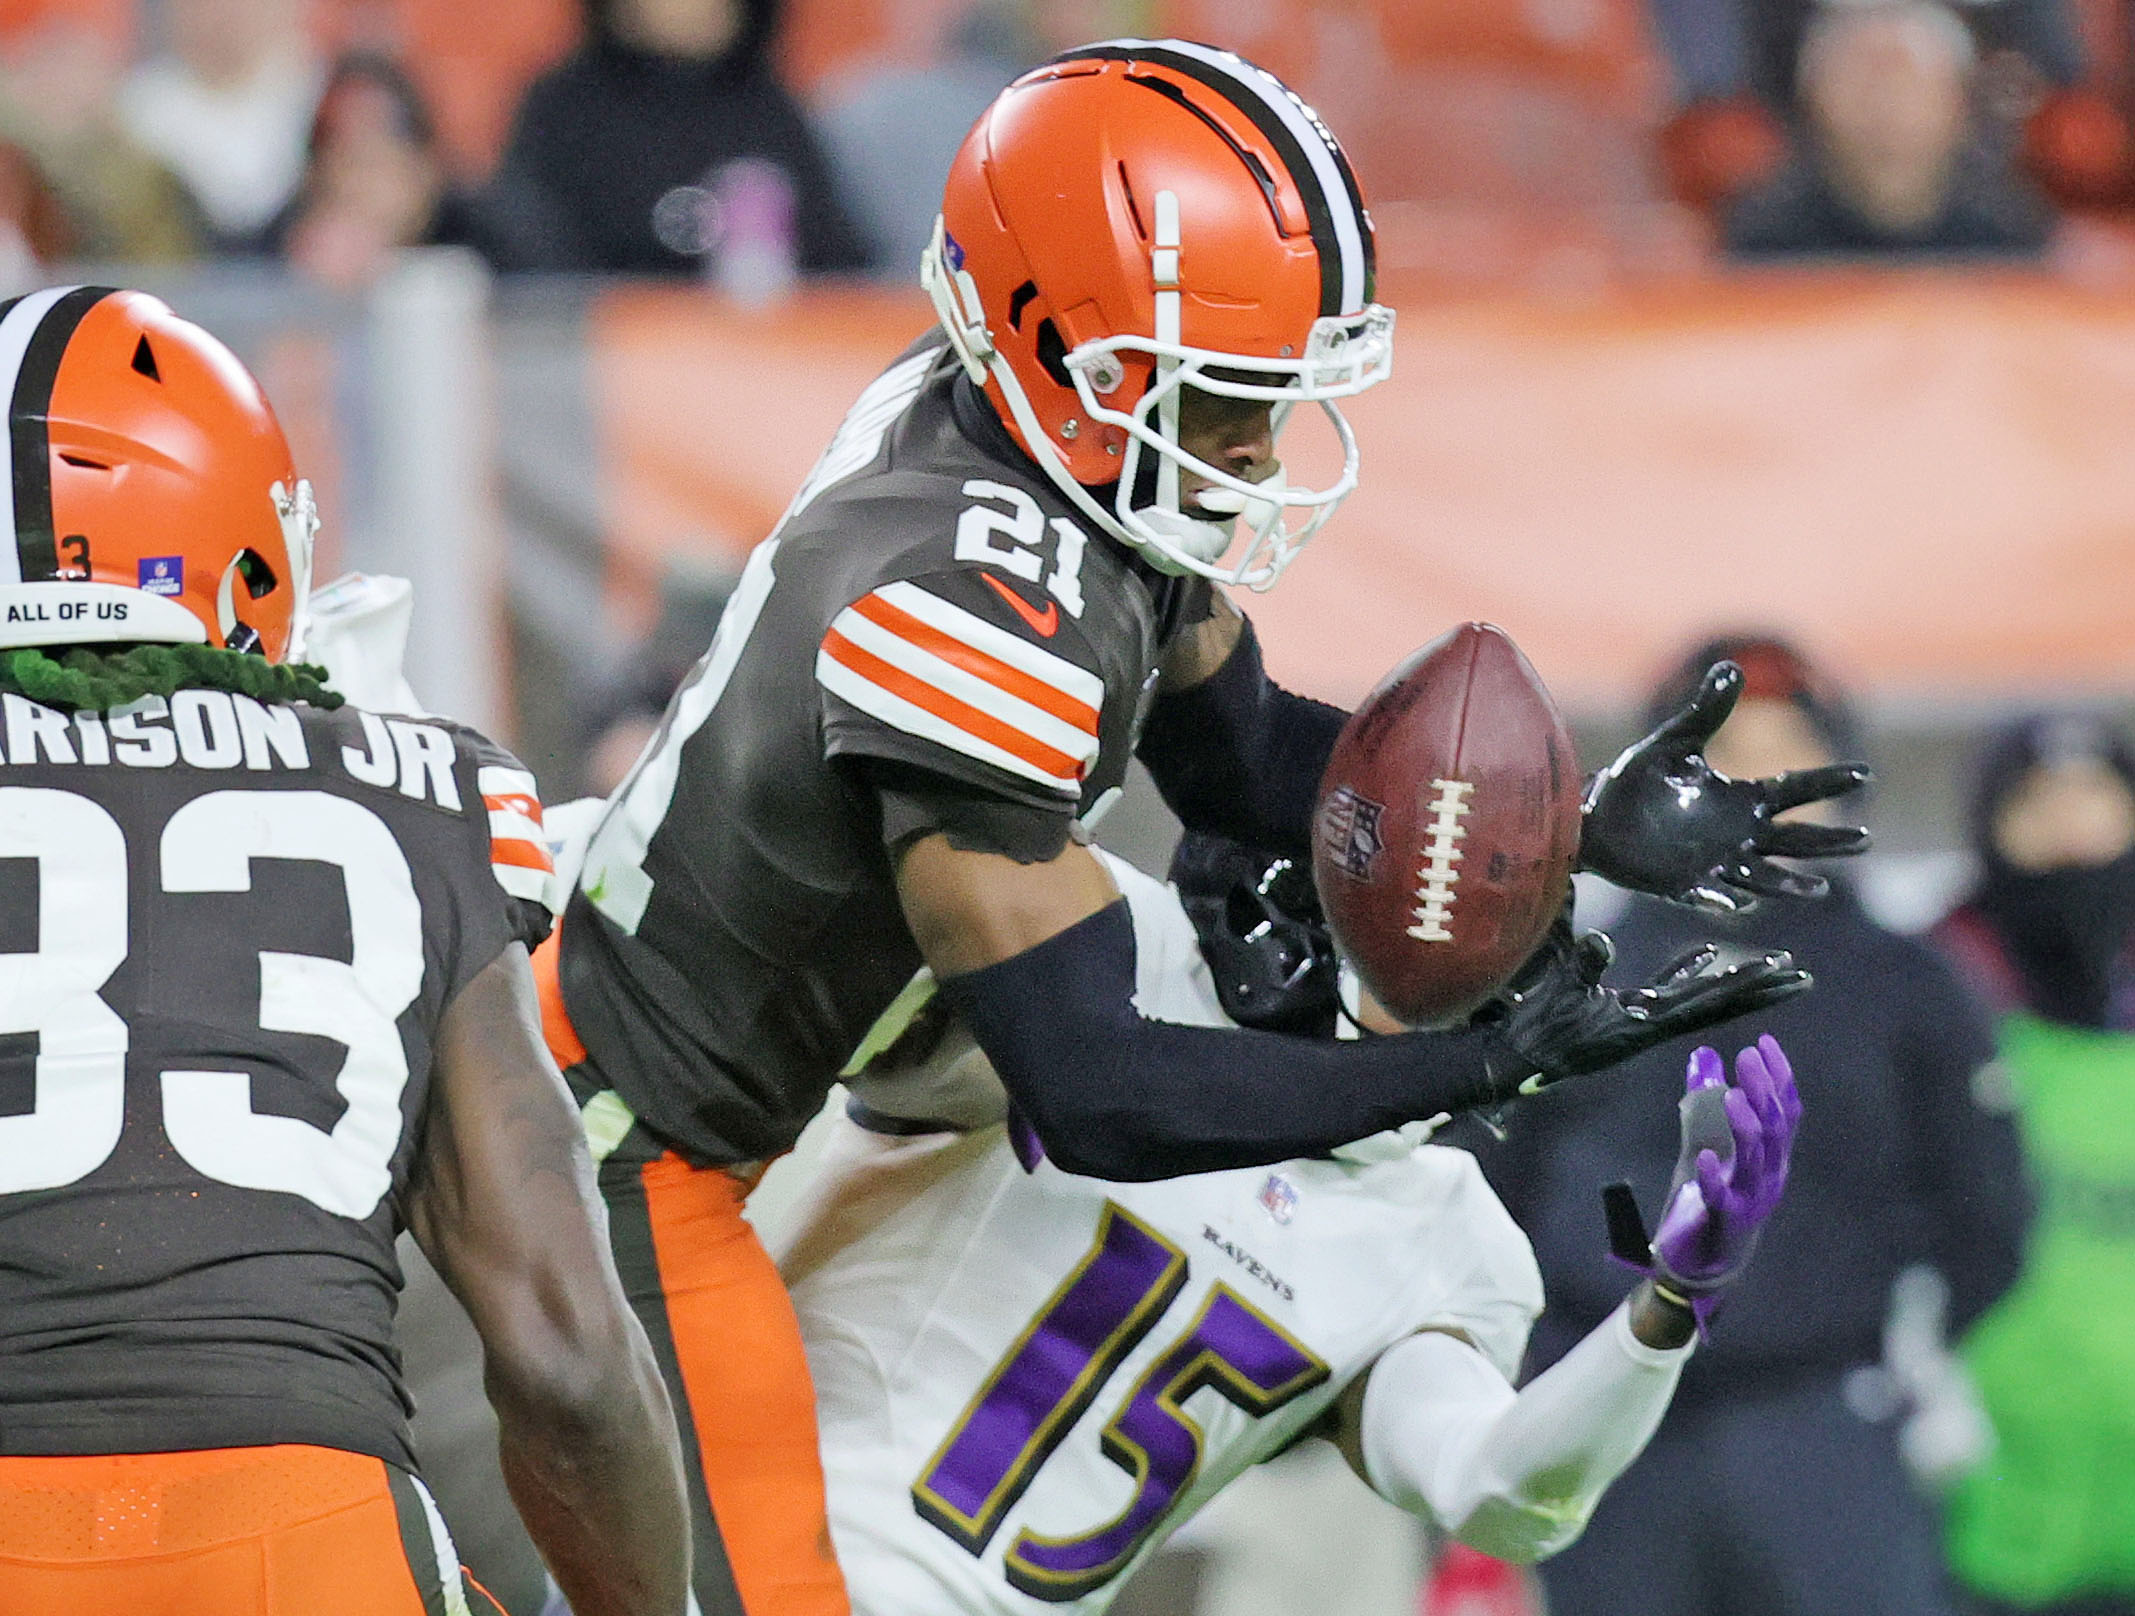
{"x": 1448, "y": 825}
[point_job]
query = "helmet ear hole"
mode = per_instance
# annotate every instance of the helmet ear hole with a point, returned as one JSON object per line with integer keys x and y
{"x": 259, "y": 577}
{"x": 1052, "y": 353}
{"x": 144, "y": 361}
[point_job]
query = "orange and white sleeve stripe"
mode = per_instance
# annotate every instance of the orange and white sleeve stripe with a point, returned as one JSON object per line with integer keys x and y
{"x": 518, "y": 851}
{"x": 932, "y": 669}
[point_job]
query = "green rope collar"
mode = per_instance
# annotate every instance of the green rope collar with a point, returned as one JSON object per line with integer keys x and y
{"x": 97, "y": 681}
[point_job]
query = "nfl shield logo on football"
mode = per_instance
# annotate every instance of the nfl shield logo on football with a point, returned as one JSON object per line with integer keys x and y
{"x": 163, "y": 575}
{"x": 1278, "y": 1198}
{"x": 1349, "y": 827}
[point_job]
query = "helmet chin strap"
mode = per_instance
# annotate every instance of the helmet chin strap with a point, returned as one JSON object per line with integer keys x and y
{"x": 1206, "y": 537}
{"x": 226, "y": 601}
{"x": 298, "y": 512}
{"x": 1257, "y": 509}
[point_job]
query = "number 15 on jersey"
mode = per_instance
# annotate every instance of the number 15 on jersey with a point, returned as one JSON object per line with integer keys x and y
{"x": 1034, "y": 1396}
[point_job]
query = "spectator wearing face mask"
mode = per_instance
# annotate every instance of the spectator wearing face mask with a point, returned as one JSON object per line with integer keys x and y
{"x": 2047, "y": 1526}
{"x": 1765, "y": 1492}
{"x": 666, "y": 145}
{"x": 1890, "y": 161}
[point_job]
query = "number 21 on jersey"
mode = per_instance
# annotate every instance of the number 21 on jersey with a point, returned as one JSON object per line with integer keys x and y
{"x": 1011, "y": 539}
{"x": 1116, "y": 1295}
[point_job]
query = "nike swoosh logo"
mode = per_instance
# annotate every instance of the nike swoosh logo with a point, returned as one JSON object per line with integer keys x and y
{"x": 1046, "y": 622}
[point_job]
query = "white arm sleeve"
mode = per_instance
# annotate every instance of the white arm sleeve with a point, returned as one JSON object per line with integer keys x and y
{"x": 1513, "y": 1474}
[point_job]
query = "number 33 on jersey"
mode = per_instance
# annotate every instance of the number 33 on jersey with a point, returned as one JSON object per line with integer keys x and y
{"x": 227, "y": 934}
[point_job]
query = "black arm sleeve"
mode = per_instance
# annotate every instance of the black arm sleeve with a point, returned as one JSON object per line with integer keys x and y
{"x": 1117, "y": 1096}
{"x": 1239, "y": 756}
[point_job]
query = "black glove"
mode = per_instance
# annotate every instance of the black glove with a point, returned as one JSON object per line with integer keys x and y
{"x": 1555, "y": 1020}
{"x": 1662, "y": 821}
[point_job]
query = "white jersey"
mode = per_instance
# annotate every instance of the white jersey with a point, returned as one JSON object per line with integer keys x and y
{"x": 1027, "y": 1380}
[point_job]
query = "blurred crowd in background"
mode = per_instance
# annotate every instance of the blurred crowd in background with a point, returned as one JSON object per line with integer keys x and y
{"x": 1923, "y": 1400}
{"x": 668, "y": 137}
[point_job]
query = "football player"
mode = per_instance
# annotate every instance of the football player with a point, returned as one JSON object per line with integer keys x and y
{"x": 1027, "y": 1378}
{"x": 1003, "y": 580}
{"x": 266, "y": 1003}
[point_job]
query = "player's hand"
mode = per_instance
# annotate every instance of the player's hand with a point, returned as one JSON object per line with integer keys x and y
{"x": 1737, "y": 1140}
{"x": 1661, "y": 820}
{"x": 1556, "y": 1019}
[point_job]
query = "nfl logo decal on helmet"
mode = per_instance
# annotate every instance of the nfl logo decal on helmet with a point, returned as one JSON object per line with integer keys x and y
{"x": 1213, "y": 238}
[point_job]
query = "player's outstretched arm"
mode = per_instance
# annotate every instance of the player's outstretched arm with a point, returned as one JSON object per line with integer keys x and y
{"x": 504, "y": 1205}
{"x": 1039, "y": 959}
{"x": 1435, "y": 1428}
{"x": 1663, "y": 821}
{"x": 1232, "y": 752}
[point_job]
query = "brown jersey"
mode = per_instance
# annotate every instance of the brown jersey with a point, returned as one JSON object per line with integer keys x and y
{"x": 228, "y": 932}
{"x": 930, "y": 612}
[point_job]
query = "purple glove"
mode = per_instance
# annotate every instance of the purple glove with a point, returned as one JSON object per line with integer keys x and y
{"x": 1737, "y": 1140}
